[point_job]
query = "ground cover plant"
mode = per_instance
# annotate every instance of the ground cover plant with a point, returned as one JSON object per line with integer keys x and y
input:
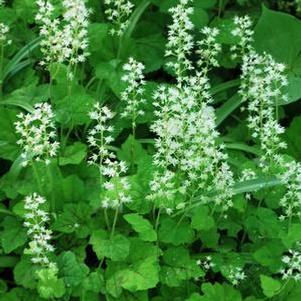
{"x": 150, "y": 150}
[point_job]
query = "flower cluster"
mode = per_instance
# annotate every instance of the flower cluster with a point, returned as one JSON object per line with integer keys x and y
{"x": 38, "y": 134}
{"x": 118, "y": 13}
{"x": 209, "y": 49}
{"x": 100, "y": 136}
{"x": 117, "y": 193}
{"x": 75, "y": 29}
{"x": 35, "y": 221}
{"x": 206, "y": 263}
{"x": 247, "y": 174}
{"x": 186, "y": 142}
{"x": 4, "y": 29}
{"x": 180, "y": 40}
{"x": 236, "y": 275}
{"x": 243, "y": 31}
{"x": 132, "y": 95}
{"x": 292, "y": 265}
{"x": 262, "y": 80}
{"x": 63, "y": 40}
{"x": 163, "y": 189}
{"x": 291, "y": 201}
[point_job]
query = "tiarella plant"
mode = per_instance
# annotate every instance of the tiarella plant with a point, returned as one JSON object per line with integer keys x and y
{"x": 133, "y": 93}
{"x": 35, "y": 221}
{"x": 118, "y": 13}
{"x": 63, "y": 40}
{"x": 37, "y": 134}
{"x": 149, "y": 150}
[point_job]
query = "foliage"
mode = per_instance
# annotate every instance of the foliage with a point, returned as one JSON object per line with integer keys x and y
{"x": 139, "y": 160}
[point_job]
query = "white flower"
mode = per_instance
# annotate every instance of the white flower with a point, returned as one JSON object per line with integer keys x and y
{"x": 63, "y": 40}
{"x": 117, "y": 192}
{"x": 132, "y": 95}
{"x": 291, "y": 200}
{"x": 37, "y": 133}
{"x": 236, "y": 275}
{"x": 118, "y": 12}
{"x": 209, "y": 49}
{"x": 186, "y": 143}
{"x": 244, "y": 33}
{"x": 262, "y": 80}
{"x": 292, "y": 265}
{"x": 4, "y": 29}
{"x": 100, "y": 135}
{"x": 180, "y": 40}
{"x": 206, "y": 263}
{"x": 35, "y": 222}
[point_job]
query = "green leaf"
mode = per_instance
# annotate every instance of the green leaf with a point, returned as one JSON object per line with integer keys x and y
{"x": 24, "y": 273}
{"x": 201, "y": 220}
{"x": 18, "y": 57}
{"x": 73, "y": 154}
{"x": 14, "y": 234}
{"x": 292, "y": 137}
{"x": 8, "y": 261}
{"x": 219, "y": 292}
{"x": 71, "y": 270}
{"x": 176, "y": 234}
{"x": 194, "y": 297}
{"x": 117, "y": 248}
{"x": 140, "y": 276}
{"x": 256, "y": 184}
{"x": 274, "y": 32}
{"x": 73, "y": 109}
{"x": 94, "y": 282}
{"x": 49, "y": 286}
{"x": 131, "y": 150}
{"x": 269, "y": 286}
{"x": 292, "y": 236}
{"x": 227, "y": 109}
{"x": 180, "y": 267}
{"x": 75, "y": 218}
{"x": 136, "y": 15}
{"x": 269, "y": 255}
{"x": 199, "y": 18}
{"x": 154, "y": 46}
{"x": 141, "y": 226}
{"x": 292, "y": 90}
{"x": 8, "y": 146}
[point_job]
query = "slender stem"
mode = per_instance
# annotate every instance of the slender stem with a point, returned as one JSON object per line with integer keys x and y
{"x": 132, "y": 146}
{"x": 37, "y": 177}
{"x": 64, "y": 142}
{"x": 114, "y": 223}
{"x": 157, "y": 220}
{"x": 220, "y": 7}
{"x": 50, "y": 179}
{"x": 105, "y": 212}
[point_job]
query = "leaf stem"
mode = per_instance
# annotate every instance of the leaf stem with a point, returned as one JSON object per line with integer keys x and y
{"x": 37, "y": 177}
{"x": 105, "y": 212}
{"x": 114, "y": 223}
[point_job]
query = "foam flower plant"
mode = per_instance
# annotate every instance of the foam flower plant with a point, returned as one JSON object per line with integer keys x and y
{"x": 36, "y": 220}
{"x": 118, "y": 12}
{"x": 132, "y": 96}
{"x": 180, "y": 40}
{"x": 63, "y": 40}
{"x": 37, "y": 134}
